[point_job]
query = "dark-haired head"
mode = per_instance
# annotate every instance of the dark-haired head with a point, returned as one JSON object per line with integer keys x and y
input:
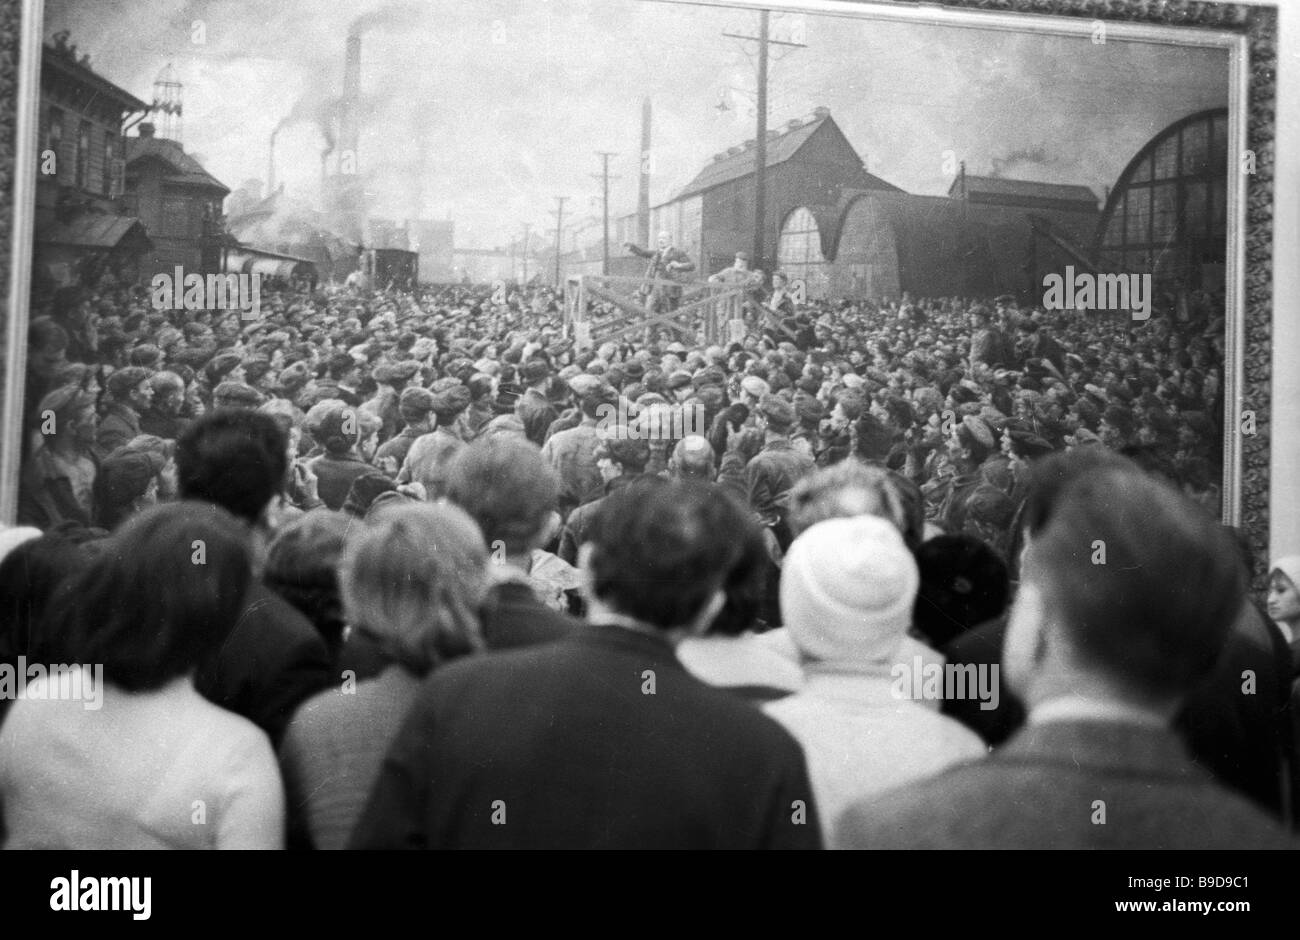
{"x": 160, "y": 597}
{"x": 29, "y": 576}
{"x": 234, "y": 459}
{"x": 660, "y": 552}
{"x": 1125, "y": 583}
{"x": 507, "y": 488}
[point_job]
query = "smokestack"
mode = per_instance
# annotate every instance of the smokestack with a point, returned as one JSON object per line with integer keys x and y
{"x": 643, "y": 190}
{"x": 270, "y": 165}
{"x": 348, "y": 131}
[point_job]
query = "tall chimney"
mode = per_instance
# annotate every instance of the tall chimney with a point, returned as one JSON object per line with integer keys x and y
{"x": 348, "y": 131}
{"x": 643, "y": 190}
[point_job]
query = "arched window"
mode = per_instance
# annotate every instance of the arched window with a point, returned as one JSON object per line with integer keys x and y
{"x": 799, "y": 253}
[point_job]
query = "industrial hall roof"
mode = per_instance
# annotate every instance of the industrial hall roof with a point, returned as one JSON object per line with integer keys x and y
{"x": 739, "y": 162}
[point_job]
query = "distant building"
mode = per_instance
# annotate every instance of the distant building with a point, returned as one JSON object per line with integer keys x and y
{"x": 809, "y": 162}
{"x": 435, "y": 241}
{"x": 179, "y": 203}
{"x": 1022, "y": 194}
{"x": 84, "y": 229}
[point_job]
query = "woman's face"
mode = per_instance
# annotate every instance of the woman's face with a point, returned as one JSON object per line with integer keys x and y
{"x": 1283, "y": 599}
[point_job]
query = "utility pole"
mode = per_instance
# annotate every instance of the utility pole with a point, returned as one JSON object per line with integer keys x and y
{"x": 559, "y": 232}
{"x": 760, "y": 137}
{"x": 604, "y": 177}
{"x": 525, "y": 252}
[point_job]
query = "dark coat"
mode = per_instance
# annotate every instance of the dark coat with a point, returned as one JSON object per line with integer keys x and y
{"x": 1047, "y": 789}
{"x": 270, "y": 663}
{"x": 564, "y": 748}
{"x": 335, "y": 476}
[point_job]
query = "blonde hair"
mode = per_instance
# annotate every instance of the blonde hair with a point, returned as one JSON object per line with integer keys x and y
{"x": 413, "y": 576}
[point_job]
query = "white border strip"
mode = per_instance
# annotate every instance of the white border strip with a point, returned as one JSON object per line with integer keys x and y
{"x": 20, "y": 256}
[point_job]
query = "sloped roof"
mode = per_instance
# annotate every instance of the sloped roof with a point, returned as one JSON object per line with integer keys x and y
{"x": 780, "y": 148}
{"x": 997, "y": 186}
{"x": 92, "y": 230}
{"x": 185, "y": 169}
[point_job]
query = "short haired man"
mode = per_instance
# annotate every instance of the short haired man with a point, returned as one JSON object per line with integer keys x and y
{"x": 1127, "y": 596}
{"x": 507, "y": 488}
{"x": 274, "y": 658}
{"x": 603, "y": 739}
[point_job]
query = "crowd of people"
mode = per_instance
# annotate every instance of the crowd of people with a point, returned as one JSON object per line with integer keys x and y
{"x": 377, "y": 569}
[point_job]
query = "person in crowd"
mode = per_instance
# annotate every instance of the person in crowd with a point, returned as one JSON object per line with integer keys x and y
{"x": 415, "y": 407}
{"x": 1103, "y": 655}
{"x": 413, "y": 578}
{"x": 131, "y": 394}
{"x": 151, "y": 755}
{"x": 548, "y": 741}
{"x": 273, "y": 657}
{"x": 127, "y": 482}
{"x": 572, "y": 453}
{"x": 964, "y": 583}
{"x": 59, "y": 475}
{"x": 163, "y": 416}
{"x": 774, "y": 470}
{"x": 620, "y": 459}
{"x": 730, "y": 655}
{"x": 848, "y": 587}
{"x": 1284, "y": 602}
{"x": 301, "y": 567}
{"x": 509, "y": 491}
{"x": 32, "y": 564}
{"x": 534, "y": 406}
{"x": 341, "y": 433}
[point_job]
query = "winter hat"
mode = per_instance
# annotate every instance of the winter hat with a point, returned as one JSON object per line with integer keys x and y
{"x": 13, "y": 536}
{"x": 847, "y": 590}
{"x": 1289, "y": 565}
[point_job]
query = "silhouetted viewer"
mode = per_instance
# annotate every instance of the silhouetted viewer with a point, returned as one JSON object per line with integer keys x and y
{"x": 1128, "y": 594}
{"x": 603, "y": 739}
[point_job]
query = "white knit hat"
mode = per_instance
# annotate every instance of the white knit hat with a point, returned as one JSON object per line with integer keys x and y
{"x": 13, "y": 536}
{"x": 847, "y": 590}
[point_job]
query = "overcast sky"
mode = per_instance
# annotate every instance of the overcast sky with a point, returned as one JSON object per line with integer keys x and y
{"x": 483, "y": 112}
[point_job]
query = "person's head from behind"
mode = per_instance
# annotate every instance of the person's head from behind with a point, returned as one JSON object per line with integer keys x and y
{"x": 158, "y": 598}
{"x": 963, "y": 584}
{"x": 508, "y": 488}
{"x": 302, "y": 567}
{"x": 659, "y": 553}
{"x": 32, "y": 566}
{"x": 413, "y": 577}
{"x": 848, "y": 586}
{"x": 235, "y": 459}
{"x": 692, "y": 459}
{"x": 1127, "y": 591}
{"x": 127, "y": 482}
{"x": 848, "y": 488}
